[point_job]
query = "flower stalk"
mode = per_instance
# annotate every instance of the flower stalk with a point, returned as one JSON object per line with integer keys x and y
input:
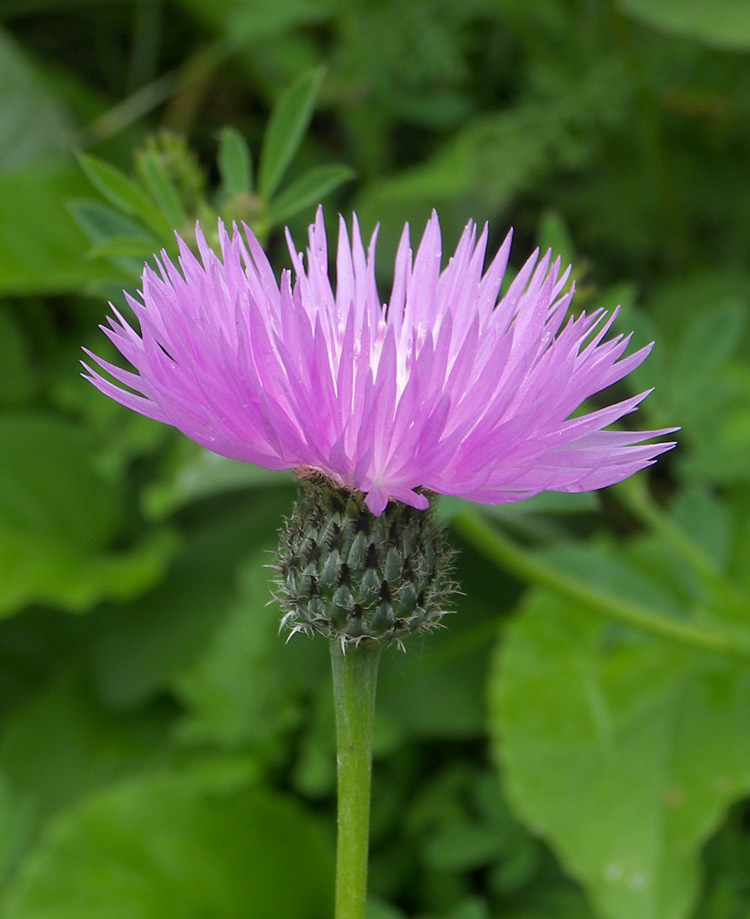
{"x": 355, "y": 670}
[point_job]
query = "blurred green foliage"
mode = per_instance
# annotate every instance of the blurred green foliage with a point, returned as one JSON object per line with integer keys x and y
{"x": 162, "y": 753}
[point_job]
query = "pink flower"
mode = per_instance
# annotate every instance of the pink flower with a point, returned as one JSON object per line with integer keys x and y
{"x": 449, "y": 387}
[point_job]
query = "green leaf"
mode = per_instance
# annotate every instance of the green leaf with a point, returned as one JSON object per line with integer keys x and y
{"x": 238, "y": 693}
{"x": 46, "y": 570}
{"x": 706, "y": 521}
{"x": 41, "y": 248}
{"x": 139, "y": 247}
{"x": 162, "y": 188}
{"x": 60, "y": 745}
{"x": 723, "y": 24}
{"x": 308, "y": 189}
{"x": 58, "y": 515}
{"x": 34, "y": 124}
{"x": 100, "y": 222}
{"x": 720, "y": 439}
{"x": 126, "y": 196}
{"x": 286, "y": 128}
{"x": 166, "y": 847}
{"x": 136, "y": 653}
{"x": 48, "y": 482}
{"x": 709, "y": 339}
{"x": 107, "y": 229}
{"x": 235, "y": 164}
{"x": 623, "y": 755}
{"x": 461, "y": 847}
{"x": 459, "y": 821}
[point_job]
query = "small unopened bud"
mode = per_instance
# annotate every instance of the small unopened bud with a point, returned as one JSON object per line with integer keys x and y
{"x": 349, "y": 575}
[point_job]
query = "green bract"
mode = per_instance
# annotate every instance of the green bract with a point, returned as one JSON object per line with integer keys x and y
{"x": 348, "y": 575}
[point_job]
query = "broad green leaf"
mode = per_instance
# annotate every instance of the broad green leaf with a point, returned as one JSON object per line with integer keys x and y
{"x": 308, "y": 189}
{"x": 47, "y": 570}
{"x": 136, "y": 652}
{"x": 48, "y": 483}
{"x": 689, "y": 553}
{"x": 34, "y": 123}
{"x": 624, "y": 755}
{"x": 167, "y": 847}
{"x": 58, "y": 515}
{"x": 126, "y": 195}
{"x": 603, "y": 568}
{"x": 60, "y": 745}
{"x": 723, "y": 24}
{"x": 238, "y": 693}
{"x": 41, "y": 248}
{"x": 235, "y": 164}
{"x": 286, "y": 128}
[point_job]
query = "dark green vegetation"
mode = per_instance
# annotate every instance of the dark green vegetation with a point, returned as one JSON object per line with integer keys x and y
{"x": 162, "y": 752}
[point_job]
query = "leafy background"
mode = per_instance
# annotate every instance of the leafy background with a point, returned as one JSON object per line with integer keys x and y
{"x": 162, "y": 752}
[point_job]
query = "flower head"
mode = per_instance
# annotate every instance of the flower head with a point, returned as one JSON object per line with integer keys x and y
{"x": 448, "y": 387}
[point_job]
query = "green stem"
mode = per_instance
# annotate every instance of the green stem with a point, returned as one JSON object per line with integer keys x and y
{"x": 355, "y": 674}
{"x": 494, "y": 545}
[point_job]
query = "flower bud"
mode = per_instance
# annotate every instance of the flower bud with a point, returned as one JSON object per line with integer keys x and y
{"x": 349, "y": 575}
